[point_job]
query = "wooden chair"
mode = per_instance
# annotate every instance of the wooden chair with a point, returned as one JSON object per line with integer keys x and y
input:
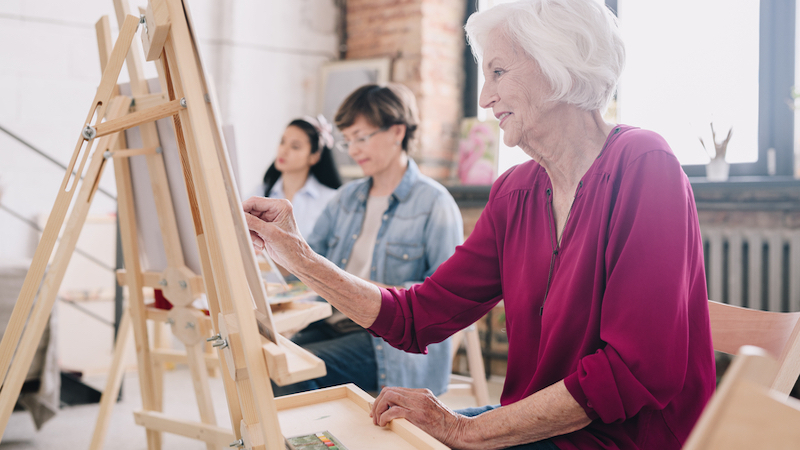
{"x": 745, "y": 413}
{"x": 777, "y": 333}
{"x": 475, "y": 384}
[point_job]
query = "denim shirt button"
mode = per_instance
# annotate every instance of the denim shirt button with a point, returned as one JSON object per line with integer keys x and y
{"x": 355, "y": 236}
{"x": 385, "y": 217}
{"x": 405, "y": 256}
{"x": 378, "y": 347}
{"x": 344, "y": 260}
{"x": 383, "y": 375}
{"x": 374, "y": 269}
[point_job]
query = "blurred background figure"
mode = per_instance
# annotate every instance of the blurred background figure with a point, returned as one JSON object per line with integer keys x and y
{"x": 303, "y": 171}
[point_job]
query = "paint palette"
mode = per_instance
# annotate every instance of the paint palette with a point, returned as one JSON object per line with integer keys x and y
{"x": 318, "y": 441}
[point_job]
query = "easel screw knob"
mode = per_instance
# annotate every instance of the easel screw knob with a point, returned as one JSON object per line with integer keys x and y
{"x": 183, "y": 102}
{"x": 239, "y": 443}
{"x": 163, "y": 282}
{"x": 183, "y": 284}
{"x": 190, "y": 325}
{"x": 89, "y": 132}
{"x": 214, "y": 338}
{"x": 142, "y": 19}
{"x": 159, "y": 150}
{"x": 222, "y": 343}
{"x": 171, "y": 321}
{"x": 107, "y": 154}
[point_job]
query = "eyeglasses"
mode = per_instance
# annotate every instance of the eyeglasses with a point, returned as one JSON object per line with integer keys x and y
{"x": 344, "y": 146}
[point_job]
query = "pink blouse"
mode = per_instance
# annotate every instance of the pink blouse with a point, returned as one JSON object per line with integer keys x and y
{"x": 618, "y": 309}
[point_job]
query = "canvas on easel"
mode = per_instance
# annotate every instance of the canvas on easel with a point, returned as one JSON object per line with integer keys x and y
{"x": 251, "y": 352}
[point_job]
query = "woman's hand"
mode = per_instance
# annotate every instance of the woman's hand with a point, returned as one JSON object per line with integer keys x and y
{"x": 272, "y": 227}
{"x": 423, "y": 409}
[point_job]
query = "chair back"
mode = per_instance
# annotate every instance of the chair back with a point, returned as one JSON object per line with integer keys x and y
{"x": 777, "y": 333}
{"x": 744, "y": 412}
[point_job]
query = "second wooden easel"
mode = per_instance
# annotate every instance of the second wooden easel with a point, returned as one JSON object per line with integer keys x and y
{"x": 251, "y": 352}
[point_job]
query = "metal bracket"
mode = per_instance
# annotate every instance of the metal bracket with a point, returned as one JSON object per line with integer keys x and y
{"x": 89, "y": 132}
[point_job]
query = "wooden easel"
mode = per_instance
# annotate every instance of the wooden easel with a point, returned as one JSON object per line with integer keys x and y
{"x": 250, "y": 349}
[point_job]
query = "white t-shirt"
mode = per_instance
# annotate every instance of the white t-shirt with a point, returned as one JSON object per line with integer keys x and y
{"x": 360, "y": 261}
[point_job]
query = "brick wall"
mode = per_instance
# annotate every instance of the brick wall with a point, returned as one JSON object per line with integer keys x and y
{"x": 425, "y": 40}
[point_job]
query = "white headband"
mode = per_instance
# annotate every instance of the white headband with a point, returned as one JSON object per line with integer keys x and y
{"x": 324, "y": 130}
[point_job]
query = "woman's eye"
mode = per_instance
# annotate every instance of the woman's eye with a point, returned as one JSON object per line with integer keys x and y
{"x": 498, "y": 72}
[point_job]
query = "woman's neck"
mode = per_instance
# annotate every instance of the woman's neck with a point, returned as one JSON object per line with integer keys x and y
{"x": 387, "y": 180}
{"x": 572, "y": 150}
{"x": 293, "y": 182}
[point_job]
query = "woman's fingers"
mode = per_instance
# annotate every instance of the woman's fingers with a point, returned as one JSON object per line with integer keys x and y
{"x": 267, "y": 209}
{"x": 421, "y": 408}
{"x": 395, "y": 412}
{"x": 258, "y": 243}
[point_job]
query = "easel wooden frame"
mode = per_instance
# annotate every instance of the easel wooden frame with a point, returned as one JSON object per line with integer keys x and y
{"x": 231, "y": 280}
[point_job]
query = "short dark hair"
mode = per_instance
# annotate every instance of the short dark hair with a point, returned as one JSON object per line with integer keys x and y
{"x": 381, "y": 106}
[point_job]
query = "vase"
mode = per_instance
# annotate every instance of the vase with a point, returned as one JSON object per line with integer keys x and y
{"x": 717, "y": 170}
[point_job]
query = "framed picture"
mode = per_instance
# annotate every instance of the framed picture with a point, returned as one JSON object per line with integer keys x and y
{"x": 477, "y": 151}
{"x": 338, "y": 79}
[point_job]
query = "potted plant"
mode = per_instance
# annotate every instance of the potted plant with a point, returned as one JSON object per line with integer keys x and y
{"x": 717, "y": 169}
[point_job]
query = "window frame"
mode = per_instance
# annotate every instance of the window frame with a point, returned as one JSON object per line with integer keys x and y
{"x": 777, "y": 23}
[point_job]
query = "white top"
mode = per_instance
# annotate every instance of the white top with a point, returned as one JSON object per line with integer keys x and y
{"x": 308, "y": 203}
{"x": 360, "y": 262}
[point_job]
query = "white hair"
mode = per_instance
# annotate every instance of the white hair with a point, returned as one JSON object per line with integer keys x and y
{"x": 576, "y": 44}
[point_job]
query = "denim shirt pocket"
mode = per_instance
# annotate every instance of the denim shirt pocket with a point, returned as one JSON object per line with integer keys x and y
{"x": 335, "y": 253}
{"x": 404, "y": 262}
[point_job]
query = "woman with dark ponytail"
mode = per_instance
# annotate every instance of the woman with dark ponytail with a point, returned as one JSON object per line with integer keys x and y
{"x": 304, "y": 171}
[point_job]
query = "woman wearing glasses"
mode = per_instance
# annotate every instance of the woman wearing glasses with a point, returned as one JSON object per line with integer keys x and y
{"x": 392, "y": 227}
{"x": 304, "y": 171}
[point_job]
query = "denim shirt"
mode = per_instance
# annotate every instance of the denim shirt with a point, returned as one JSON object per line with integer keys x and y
{"x": 421, "y": 229}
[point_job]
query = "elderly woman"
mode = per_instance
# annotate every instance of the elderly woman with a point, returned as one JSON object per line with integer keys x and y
{"x": 594, "y": 246}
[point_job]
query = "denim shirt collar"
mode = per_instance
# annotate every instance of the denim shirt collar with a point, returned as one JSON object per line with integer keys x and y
{"x": 402, "y": 191}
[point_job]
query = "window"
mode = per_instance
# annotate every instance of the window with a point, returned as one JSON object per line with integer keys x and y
{"x": 693, "y": 62}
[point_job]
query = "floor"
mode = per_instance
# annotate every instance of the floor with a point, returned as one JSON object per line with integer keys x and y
{"x": 72, "y": 428}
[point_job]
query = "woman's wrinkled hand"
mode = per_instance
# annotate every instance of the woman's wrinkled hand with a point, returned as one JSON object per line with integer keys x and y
{"x": 273, "y": 228}
{"x": 423, "y": 409}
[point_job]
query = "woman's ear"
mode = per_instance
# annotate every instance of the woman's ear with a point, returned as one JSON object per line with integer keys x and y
{"x": 398, "y": 132}
{"x": 313, "y": 158}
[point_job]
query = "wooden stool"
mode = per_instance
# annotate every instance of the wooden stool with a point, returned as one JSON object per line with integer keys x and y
{"x": 475, "y": 384}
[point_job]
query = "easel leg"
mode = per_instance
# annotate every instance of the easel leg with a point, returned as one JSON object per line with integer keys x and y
{"x": 111, "y": 391}
{"x": 52, "y": 281}
{"x": 66, "y": 192}
{"x": 161, "y": 339}
{"x": 138, "y": 314}
{"x": 197, "y": 366}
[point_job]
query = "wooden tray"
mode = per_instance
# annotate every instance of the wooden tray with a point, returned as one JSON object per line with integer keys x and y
{"x": 344, "y": 412}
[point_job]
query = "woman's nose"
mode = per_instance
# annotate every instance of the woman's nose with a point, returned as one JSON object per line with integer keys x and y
{"x": 352, "y": 150}
{"x": 488, "y": 96}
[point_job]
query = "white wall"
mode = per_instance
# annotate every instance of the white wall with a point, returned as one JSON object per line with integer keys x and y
{"x": 263, "y": 55}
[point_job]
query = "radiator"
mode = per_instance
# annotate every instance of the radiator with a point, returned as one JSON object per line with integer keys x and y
{"x": 754, "y": 268}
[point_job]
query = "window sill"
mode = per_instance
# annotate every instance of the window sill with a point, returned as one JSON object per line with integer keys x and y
{"x": 740, "y": 193}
